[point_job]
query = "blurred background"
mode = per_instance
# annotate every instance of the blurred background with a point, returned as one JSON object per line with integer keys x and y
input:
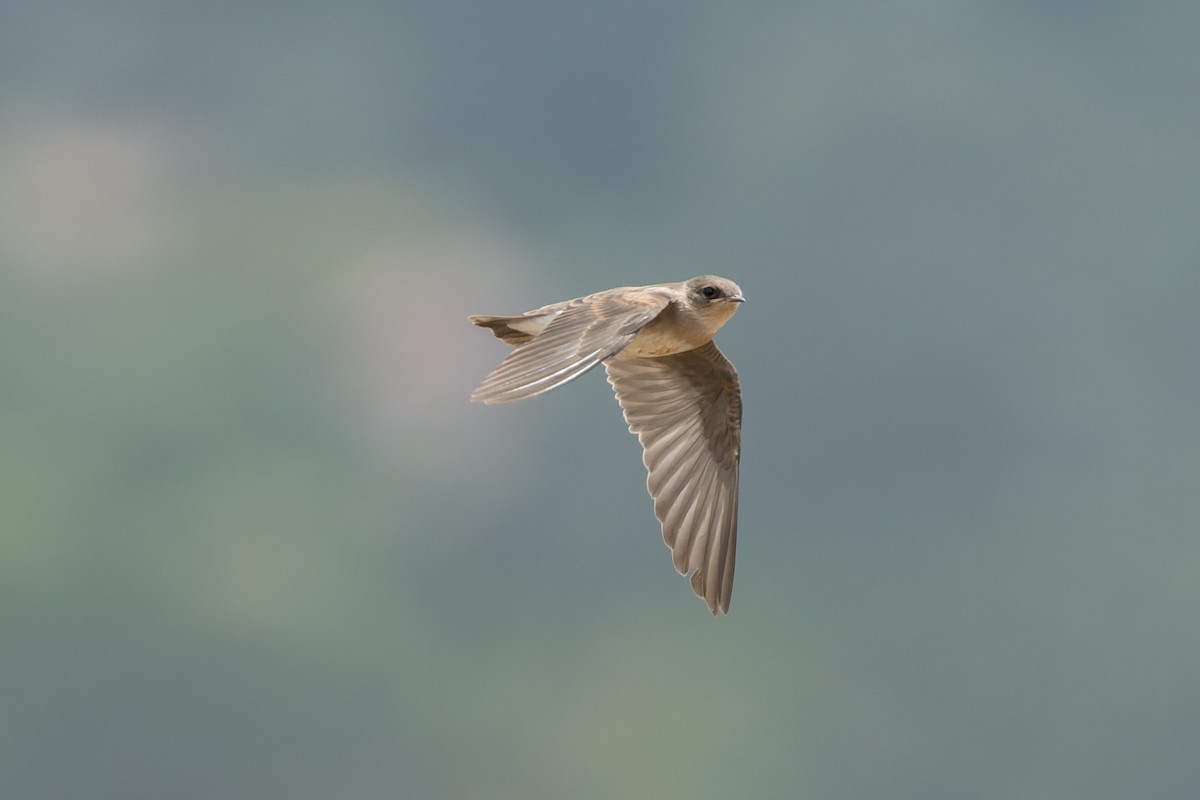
{"x": 256, "y": 543}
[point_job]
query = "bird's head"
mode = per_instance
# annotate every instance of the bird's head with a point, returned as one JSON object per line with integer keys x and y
{"x": 714, "y": 296}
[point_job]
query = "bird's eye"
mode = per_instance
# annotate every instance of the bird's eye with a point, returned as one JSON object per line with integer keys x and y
{"x": 709, "y": 292}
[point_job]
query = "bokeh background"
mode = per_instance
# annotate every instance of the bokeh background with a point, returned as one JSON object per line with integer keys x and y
{"x": 255, "y": 542}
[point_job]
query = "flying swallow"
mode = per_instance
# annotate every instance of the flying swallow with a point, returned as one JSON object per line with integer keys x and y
{"x": 679, "y": 393}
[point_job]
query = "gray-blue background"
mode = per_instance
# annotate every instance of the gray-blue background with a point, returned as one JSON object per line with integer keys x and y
{"x": 255, "y": 542}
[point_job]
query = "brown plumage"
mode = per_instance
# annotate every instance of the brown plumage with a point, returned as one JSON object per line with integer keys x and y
{"x": 679, "y": 393}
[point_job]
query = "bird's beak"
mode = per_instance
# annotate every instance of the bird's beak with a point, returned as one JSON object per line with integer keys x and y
{"x": 736, "y": 298}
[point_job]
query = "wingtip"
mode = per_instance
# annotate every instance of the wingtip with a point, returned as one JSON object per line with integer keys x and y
{"x": 718, "y": 608}
{"x": 492, "y": 397}
{"x": 717, "y": 604}
{"x": 482, "y": 395}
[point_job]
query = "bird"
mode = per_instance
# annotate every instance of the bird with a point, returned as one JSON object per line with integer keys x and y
{"x": 679, "y": 395}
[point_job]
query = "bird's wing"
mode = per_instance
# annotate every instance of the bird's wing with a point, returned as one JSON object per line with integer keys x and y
{"x": 589, "y": 330}
{"x": 686, "y": 410}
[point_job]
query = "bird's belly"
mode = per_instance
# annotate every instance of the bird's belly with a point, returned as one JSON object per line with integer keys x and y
{"x": 655, "y": 340}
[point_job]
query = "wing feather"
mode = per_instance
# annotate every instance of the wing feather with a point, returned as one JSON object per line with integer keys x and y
{"x": 584, "y": 333}
{"x": 686, "y": 410}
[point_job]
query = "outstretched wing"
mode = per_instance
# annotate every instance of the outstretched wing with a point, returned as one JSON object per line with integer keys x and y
{"x": 582, "y": 335}
{"x": 686, "y": 410}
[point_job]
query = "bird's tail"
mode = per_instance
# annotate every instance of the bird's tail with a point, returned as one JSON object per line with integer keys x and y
{"x": 503, "y": 328}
